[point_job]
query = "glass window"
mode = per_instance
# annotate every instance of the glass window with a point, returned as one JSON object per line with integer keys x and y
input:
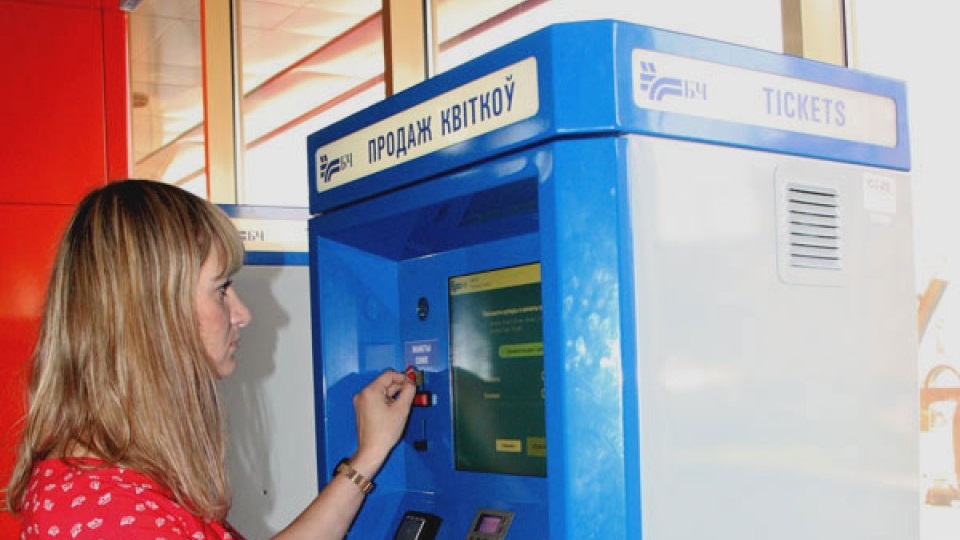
{"x": 467, "y": 29}
{"x": 167, "y": 95}
{"x": 305, "y": 65}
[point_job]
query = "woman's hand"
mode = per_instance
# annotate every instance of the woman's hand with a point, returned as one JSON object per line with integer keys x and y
{"x": 382, "y": 409}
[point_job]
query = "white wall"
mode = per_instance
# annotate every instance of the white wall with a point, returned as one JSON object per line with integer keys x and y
{"x": 269, "y": 401}
{"x": 916, "y": 42}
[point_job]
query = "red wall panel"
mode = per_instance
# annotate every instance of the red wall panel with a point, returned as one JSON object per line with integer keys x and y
{"x": 116, "y": 60}
{"x": 26, "y": 255}
{"x": 63, "y": 114}
{"x": 74, "y": 3}
{"x": 52, "y": 145}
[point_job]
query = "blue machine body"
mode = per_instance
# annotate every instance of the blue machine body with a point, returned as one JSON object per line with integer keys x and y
{"x": 449, "y": 192}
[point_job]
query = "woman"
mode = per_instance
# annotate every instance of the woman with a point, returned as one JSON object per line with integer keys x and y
{"x": 123, "y": 436}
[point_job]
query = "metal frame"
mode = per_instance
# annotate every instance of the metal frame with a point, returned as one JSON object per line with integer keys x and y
{"x": 815, "y": 29}
{"x": 223, "y": 123}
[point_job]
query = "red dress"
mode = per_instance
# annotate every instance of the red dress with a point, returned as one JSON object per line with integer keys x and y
{"x": 95, "y": 502}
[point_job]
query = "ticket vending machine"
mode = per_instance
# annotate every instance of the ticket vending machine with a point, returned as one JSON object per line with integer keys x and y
{"x": 649, "y": 286}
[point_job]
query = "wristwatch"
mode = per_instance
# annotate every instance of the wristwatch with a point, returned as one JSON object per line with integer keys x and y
{"x": 362, "y": 482}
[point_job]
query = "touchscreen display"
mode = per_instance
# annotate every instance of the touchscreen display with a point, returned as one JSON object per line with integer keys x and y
{"x": 496, "y": 350}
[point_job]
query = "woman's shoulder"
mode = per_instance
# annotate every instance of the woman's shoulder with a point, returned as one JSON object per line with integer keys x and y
{"x": 89, "y": 498}
{"x": 86, "y": 473}
{"x": 87, "y": 481}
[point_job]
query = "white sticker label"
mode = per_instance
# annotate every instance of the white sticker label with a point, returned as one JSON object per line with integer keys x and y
{"x": 676, "y": 84}
{"x": 493, "y": 101}
{"x": 275, "y": 235}
{"x": 879, "y": 194}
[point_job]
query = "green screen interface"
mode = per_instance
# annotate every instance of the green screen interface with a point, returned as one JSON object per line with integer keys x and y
{"x": 496, "y": 354}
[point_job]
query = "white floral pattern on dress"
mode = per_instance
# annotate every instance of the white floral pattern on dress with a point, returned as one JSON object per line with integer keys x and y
{"x": 89, "y": 500}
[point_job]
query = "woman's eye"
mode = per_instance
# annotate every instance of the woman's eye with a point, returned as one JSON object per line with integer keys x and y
{"x": 223, "y": 288}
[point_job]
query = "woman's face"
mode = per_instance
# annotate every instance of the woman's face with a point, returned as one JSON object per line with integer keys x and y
{"x": 220, "y": 316}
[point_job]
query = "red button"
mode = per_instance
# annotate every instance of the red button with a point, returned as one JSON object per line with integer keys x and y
{"x": 415, "y": 375}
{"x": 423, "y": 399}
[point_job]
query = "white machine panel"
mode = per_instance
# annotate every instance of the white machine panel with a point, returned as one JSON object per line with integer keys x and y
{"x": 770, "y": 389}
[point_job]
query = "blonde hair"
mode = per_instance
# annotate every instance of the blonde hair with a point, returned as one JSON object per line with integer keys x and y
{"x": 119, "y": 370}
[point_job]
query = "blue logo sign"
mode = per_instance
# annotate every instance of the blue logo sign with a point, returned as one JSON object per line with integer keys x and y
{"x": 658, "y": 88}
{"x": 326, "y": 167}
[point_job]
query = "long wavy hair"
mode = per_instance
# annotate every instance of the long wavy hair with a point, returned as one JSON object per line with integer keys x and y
{"x": 119, "y": 371}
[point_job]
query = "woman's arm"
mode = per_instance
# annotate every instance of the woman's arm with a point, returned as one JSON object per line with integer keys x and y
{"x": 382, "y": 409}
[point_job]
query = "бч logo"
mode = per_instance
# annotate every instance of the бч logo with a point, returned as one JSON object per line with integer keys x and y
{"x": 657, "y": 88}
{"x": 326, "y": 167}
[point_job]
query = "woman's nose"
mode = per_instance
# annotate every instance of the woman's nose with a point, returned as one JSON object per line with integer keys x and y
{"x": 240, "y": 312}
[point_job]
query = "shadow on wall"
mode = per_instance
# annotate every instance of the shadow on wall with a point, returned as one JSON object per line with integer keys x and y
{"x": 269, "y": 403}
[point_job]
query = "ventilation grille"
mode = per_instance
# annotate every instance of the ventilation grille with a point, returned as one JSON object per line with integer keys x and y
{"x": 813, "y": 226}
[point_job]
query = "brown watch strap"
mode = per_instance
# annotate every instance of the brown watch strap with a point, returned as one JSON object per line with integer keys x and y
{"x": 361, "y": 481}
